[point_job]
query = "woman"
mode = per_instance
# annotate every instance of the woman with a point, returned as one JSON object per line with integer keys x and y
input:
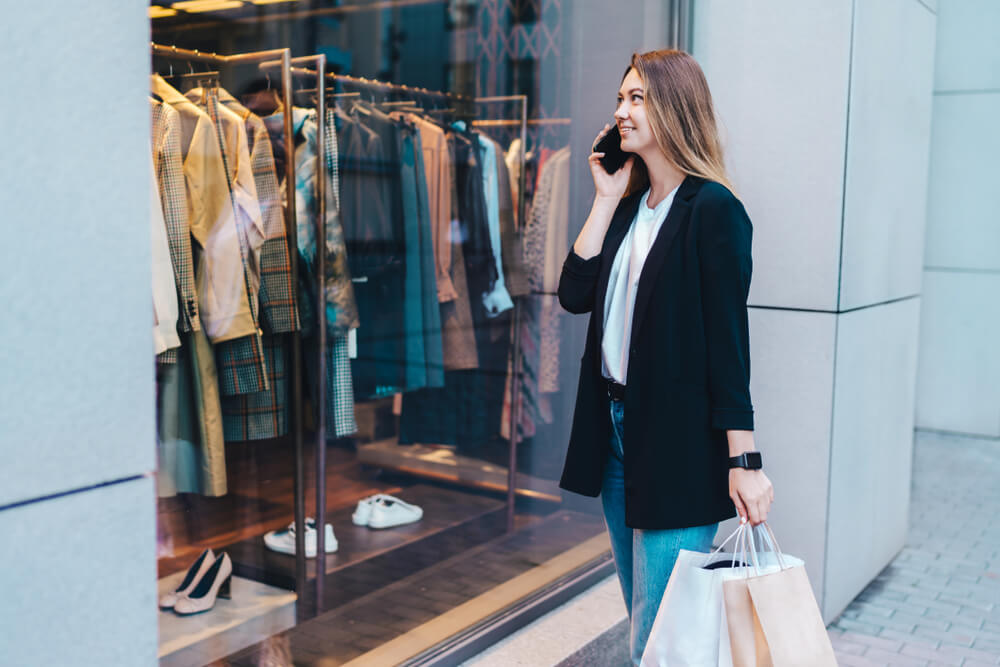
{"x": 663, "y": 410}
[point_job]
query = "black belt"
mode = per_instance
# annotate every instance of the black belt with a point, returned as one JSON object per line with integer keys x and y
{"x": 615, "y": 391}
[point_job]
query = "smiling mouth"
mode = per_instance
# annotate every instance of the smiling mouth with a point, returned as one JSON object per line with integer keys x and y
{"x": 625, "y": 130}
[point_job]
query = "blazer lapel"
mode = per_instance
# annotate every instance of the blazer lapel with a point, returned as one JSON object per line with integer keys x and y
{"x": 679, "y": 212}
{"x": 620, "y": 223}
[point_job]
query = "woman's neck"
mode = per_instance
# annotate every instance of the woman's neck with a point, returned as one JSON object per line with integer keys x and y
{"x": 663, "y": 176}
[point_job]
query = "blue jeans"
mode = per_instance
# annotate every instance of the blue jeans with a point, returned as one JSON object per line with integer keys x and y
{"x": 643, "y": 558}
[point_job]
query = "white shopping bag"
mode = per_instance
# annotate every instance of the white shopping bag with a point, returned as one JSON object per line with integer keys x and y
{"x": 690, "y": 629}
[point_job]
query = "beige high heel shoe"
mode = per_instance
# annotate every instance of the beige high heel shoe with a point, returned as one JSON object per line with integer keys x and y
{"x": 191, "y": 579}
{"x": 215, "y": 583}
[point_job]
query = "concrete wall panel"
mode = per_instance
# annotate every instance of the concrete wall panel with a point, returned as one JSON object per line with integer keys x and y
{"x": 872, "y": 446}
{"x": 79, "y": 575}
{"x": 887, "y": 154}
{"x": 957, "y": 386}
{"x": 963, "y": 220}
{"x": 792, "y": 390}
{"x": 968, "y": 54}
{"x": 779, "y": 77}
{"x": 76, "y": 400}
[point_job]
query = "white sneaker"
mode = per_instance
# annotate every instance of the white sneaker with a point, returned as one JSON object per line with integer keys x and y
{"x": 283, "y": 541}
{"x": 363, "y": 512}
{"x": 389, "y": 511}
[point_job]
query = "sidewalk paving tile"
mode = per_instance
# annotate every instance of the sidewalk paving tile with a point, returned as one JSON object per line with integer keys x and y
{"x": 938, "y": 602}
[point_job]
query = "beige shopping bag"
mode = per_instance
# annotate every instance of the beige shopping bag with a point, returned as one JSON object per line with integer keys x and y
{"x": 773, "y": 618}
{"x": 746, "y": 636}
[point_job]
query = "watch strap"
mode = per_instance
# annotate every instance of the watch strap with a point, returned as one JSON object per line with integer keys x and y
{"x": 747, "y": 460}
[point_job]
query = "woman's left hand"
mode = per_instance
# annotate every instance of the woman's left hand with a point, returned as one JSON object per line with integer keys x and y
{"x": 752, "y": 494}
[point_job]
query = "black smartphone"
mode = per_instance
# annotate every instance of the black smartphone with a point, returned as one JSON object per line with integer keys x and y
{"x": 611, "y": 145}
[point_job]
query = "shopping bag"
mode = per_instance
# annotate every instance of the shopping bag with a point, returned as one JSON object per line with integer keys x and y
{"x": 747, "y": 646}
{"x": 771, "y": 614}
{"x": 689, "y": 629}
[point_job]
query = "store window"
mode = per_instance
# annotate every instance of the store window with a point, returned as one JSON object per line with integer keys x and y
{"x": 360, "y": 212}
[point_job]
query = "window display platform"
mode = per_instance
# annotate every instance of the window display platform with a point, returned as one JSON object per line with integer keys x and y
{"x": 255, "y": 611}
{"x": 442, "y": 463}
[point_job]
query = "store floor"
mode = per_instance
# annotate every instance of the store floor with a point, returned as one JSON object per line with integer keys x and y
{"x": 260, "y": 498}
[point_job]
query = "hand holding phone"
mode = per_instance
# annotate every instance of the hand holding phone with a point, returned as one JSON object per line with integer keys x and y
{"x": 611, "y": 145}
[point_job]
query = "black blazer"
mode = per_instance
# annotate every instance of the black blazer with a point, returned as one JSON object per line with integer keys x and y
{"x": 688, "y": 377}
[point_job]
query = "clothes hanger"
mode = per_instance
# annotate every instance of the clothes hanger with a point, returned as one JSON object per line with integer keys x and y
{"x": 263, "y": 102}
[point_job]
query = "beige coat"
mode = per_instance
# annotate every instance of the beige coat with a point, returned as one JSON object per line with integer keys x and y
{"x": 219, "y": 277}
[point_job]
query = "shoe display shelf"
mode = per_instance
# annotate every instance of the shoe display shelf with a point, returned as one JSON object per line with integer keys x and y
{"x": 254, "y": 611}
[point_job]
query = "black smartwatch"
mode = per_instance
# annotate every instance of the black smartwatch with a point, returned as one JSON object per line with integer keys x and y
{"x": 747, "y": 460}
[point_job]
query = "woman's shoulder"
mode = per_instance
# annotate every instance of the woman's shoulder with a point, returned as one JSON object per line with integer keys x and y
{"x": 716, "y": 200}
{"x": 713, "y": 192}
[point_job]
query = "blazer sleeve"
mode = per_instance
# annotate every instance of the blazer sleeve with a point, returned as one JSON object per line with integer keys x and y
{"x": 578, "y": 282}
{"x": 724, "y": 252}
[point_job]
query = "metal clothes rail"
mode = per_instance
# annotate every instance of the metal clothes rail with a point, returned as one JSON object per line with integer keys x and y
{"x": 515, "y": 123}
{"x": 373, "y": 84}
{"x": 283, "y": 57}
{"x": 319, "y": 62}
{"x": 515, "y": 388}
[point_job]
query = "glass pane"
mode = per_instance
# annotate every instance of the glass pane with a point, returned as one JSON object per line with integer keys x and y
{"x": 435, "y": 164}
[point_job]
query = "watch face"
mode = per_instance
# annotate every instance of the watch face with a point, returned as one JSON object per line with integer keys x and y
{"x": 754, "y": 461}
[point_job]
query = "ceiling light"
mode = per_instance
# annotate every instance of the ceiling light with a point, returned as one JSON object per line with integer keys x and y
{"x": 157, "y": 12}
{"x": 270, "y": 2}
{"x": 196, "y": 6}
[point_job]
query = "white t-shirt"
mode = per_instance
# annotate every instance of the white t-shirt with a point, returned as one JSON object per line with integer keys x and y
{"x": 619, "y": 302}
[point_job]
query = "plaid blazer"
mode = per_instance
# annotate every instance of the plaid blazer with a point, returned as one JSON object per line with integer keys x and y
{"x": 167, "y": 161}
{"x": 241, "y": 361}
{"x": 277, "y": 287}
{"x": 264, "y": 414}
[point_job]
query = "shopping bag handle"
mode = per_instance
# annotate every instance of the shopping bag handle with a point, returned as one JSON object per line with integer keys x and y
{"x": 747, "y": 546}
{"x": 750, "y": 546}
{"x": 742, "y": 532}
{"x": 738, "y": 535}
{"x": 767, "y": 535}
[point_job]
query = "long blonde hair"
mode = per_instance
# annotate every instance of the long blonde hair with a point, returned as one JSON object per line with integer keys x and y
{"x": 681, "y": 116}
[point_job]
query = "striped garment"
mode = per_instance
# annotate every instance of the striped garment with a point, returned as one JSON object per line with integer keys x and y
{"x": 277, "y": 288}
{"x": 166, "y": 140}
{"x": 264, "y": 414}
{"x": 240, "y": 362}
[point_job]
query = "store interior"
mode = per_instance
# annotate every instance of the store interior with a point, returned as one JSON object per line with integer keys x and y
{"x": 374, "y": 387}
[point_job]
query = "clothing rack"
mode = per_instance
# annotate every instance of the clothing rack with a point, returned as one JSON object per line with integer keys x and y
{"x": 283, "y": 58}
{"x": 374, "y": 84}
{"x": 321, "y": 77}
{"x": 318, "y": 61}
{"x": 515, "y": 415}
{"x": 514, "y": 123}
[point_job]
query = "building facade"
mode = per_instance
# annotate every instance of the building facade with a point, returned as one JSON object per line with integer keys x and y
{"x": 827, "y": 112}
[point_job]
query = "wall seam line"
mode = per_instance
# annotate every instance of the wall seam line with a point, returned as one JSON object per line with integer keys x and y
{"x": 958, "y": 269}
{"x": 71, "y": 492}
{"x": 960, "y": 434}
{"x": 966, "y": 91}
{"x": 836, "y": 324}
{"x": 887, "y": 302}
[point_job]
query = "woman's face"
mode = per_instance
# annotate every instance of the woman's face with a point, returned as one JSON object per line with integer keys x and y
{"x": 637, "y": 137}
